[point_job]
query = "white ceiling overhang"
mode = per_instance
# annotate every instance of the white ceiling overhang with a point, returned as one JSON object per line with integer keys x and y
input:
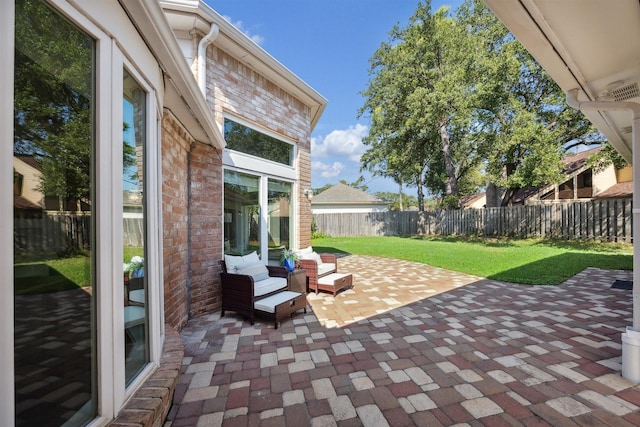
{"x": 182, "y": 95}
{"x": 591, "y": 45}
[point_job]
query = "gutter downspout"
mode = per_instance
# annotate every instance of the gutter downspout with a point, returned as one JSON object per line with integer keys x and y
{"x": 202, "y": 57}
{"x": 630, "y": 338}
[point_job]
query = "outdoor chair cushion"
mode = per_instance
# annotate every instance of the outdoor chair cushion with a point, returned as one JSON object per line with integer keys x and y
{"x": 268, "y": 285}
{"x": 256, "y": 270}
{"x": 325, "y": 268}
{"x": 233, "y": 262}
{"x": 269, "y": 304}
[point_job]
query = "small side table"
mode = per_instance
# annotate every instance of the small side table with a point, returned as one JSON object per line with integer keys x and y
{"x": 297, "y": 281}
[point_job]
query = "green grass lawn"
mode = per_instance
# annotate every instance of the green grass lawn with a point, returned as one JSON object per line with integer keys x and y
{"x": 58, "y": 274}
{"x": 535, "y": 262}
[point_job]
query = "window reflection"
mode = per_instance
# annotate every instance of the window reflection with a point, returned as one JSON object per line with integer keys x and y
{"x": 53, "y": 229}
{"x": 241, "y": 213}
{"x": 280, "y": 218}
{"x": 133, "y": 225}
{"x": 246, "y": 140}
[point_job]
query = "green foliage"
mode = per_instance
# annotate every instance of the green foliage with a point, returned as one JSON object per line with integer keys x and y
{"x": 535, "y": 262}
{"x": 315, "y": 234}
{"x": 605, "y": 157}
{"x": 450, "y": 202}
{"x": 53, "y": 102}
{"x": 393, "y": 200}
{"x": 288, "y": 254}
{"x": 455, "y": 98}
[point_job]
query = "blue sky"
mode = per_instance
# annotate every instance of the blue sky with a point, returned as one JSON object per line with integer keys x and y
{"x": 328, "y": 44}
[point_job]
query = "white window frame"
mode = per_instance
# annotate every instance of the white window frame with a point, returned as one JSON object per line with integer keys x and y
{"x": 7, "y": 404}
{"x": 263, "y": 196}
{"x": 110, "y": 58}
{"x": 254, "y": 163}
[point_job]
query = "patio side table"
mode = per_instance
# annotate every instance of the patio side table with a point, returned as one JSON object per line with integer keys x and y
{"x": 297, "y": 281}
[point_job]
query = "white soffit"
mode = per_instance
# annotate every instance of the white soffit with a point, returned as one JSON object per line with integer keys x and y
{"x": 182, "y": 94}
{"x": 185, "y": 15}
{"x": 593, "y": 45}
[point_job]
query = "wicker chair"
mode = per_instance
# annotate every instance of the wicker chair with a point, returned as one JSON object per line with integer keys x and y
{"x": 240, "y": 292}
{"x": 315, "y": 271}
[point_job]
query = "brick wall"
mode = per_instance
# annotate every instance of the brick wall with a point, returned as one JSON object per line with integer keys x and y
{"x": 191, "y": 228}
{"x": 206, "y": 229}
{"x": 175, "y": 150}
{"x": 233, "y": 87}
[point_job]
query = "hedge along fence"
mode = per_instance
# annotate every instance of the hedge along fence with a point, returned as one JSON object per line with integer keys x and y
{"x": 607, "y": 220}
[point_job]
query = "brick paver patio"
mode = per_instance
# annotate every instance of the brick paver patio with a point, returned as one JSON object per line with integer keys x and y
{"x": 415, "y": 345}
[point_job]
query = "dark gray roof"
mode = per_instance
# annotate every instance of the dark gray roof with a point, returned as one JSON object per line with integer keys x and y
{"x": 345, "y": 194}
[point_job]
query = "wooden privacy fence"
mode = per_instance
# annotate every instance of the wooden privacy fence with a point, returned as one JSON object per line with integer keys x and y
{"x": 608, "y": 220}
{"x": 60, "y": 232}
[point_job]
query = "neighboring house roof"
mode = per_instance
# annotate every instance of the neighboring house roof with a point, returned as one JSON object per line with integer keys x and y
{"x": 617, "y": 191}
{"x": 573, "y": 164}
{"x": 20, "y": 202}
{"x": 468, "y": 200}
{"x": 29, "y": 160}
{"x": 345, "y": 194}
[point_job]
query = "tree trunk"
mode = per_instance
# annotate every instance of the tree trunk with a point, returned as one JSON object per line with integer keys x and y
{"x": 420, "y": 193}
{"x": 451, "y": 183}
{"x": 507, "y": 199}
{"x": 400, "y": 194}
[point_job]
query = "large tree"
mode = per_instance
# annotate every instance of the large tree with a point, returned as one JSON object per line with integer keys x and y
{"x": 419, "y": 97}
{"x": 449, "y": 96}
{"x": 522, "y": 117}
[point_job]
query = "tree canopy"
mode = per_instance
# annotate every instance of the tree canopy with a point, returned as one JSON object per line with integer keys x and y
{"x": 455, "y": 101}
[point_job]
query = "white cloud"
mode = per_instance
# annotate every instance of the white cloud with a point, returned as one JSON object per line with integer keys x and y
{"x": 326, "y": 170}
{"x": 258, "y": 39}
{"x": 343, "y": 143}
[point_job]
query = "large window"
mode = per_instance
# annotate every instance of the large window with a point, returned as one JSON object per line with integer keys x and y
{"x": 280, "y": 215}
{"x": 249, "y": 141}
{"x": 241, "y": 213}
{"x": 133, "y": 227}
{"x": 54, "y": 257}
{"x": 82, "y": 308}
{"x": 258, "y": 215}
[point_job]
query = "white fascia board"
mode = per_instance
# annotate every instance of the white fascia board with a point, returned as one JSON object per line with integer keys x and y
{"x": 149, "y": 18}
{"x": 527, "y": 23}
{"x": 240, "y": 46}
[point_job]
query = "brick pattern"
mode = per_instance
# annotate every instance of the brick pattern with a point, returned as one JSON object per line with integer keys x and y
{"x": 423, "y": 346}
{"x": 150, "y": 404}
{"x": 234, "y": 87}
{"x": 205, "y": 229}
{"x": 176, "y": 143}
{"x": 192, "y": 233}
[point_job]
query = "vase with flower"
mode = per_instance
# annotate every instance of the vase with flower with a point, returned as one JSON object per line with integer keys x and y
{"x": 288, "y": 259}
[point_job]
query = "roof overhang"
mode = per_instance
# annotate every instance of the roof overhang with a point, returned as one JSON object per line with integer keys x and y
{"x": 591, "y": 45}
{"x": 182, "y": 95}
{"x": 187, "y": 15}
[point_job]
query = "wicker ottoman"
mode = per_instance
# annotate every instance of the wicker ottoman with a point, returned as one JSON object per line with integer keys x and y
{"x": 334, "y": 282}
{"x": 278, "y": 306}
